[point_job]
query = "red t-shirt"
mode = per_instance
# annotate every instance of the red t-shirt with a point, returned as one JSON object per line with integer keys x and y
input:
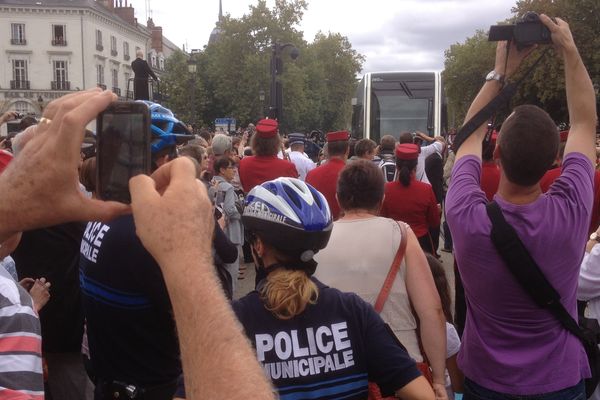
{"x": 324, "y": 179}
{"x": 490, "y": 179}
{"x": 415, "y": 204}
{"x": 552, "y": 174}
{"x": 255, "y": 170}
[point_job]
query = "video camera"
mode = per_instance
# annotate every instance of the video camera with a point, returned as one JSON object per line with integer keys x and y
{"x": 526, "y": 32}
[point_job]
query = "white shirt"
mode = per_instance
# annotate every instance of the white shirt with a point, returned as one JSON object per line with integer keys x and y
{"x": 426, "y": 151}
{"x": 302, "y": 162}
{"x": 589, "y": 289}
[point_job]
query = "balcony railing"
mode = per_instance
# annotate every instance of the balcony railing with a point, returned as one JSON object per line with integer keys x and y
{"x": 59, "y": 42}
{"x": 19, "y": 42}
{"x": 19, "y": 85}
{"x": 126, "y": 57}
{"x": 114, "y": 53}
{"x": 117, "y": 91}
{"x": 99, "y": 47}
{"x": 60, "y": 85}
{"x": 102, "y": 86}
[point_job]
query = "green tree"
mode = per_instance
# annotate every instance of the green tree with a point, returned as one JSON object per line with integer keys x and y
{"x": 185, "y": 94}
{"x": 317, "y": 87}
{"x": 467, "y": 63}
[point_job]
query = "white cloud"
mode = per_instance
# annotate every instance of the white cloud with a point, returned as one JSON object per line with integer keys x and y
{"x": 401, "y": 34}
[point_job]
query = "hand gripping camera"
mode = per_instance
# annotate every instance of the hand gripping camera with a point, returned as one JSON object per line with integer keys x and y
{"x": 526, "y": 32}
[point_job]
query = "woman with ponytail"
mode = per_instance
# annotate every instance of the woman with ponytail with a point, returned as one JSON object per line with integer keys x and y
{"x": 410, "y": 200}
{"x": 313, "y": 341}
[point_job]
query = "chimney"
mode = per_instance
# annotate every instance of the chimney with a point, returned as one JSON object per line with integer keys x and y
{"x": 157, "y": 38}
{"x": 126, "y": 13}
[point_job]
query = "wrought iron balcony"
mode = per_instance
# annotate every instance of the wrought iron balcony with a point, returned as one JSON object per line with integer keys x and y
{"x": 117, "y": 91}
{"x": 59, "y": 42}
{"x": 60, "y": 85}
{"x": 102, "y": 86}
{"x": 20, "y": 42}
{"x": 24, "y": 85}
{"x": 99, "y": 47}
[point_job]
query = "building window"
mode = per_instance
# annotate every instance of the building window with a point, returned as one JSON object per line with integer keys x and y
{"x": 161, "y": 63}
{"x": 152, "y": 60}
{"x": 19, "y": 75}
{"x": 100, "y": 76}
{"x": 99, "y": 46}
{"x": 61, "y": 81}
{"x": 113, "y": 46}
{"x": 59, "y": 35}
{"x": 115, "y": 79}
{"x": 17, "y": 34}
{"x": 129, "y": 86}
{"x": 126, "y": 51}
{"x": 23, "y": 107}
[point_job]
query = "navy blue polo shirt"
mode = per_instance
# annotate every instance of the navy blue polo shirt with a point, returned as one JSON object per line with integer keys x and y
{"x": 329, "y": 351}
{"x": 130, "y": 327}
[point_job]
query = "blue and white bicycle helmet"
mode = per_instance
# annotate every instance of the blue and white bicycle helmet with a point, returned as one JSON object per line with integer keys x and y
{"x": 290, "y": 215}
{"x": 166, "y": 129}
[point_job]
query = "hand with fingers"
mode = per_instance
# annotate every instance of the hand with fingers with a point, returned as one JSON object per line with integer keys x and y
{"x": 8, "y": 116}
{"x": 40, "y": 293}
{"x": 508, "y": 67}
{"x": 156, "y": 203}
{"x": 562, "y": 38}
{"x": 39, "y": 188}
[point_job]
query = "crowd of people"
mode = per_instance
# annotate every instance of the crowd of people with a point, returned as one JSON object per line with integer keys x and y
{"x": 351, "y": 301}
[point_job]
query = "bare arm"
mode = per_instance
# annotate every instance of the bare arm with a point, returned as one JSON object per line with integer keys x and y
{"x": 490, "y": 89}
{"x": 418, "y": 389}
{"x": 426, "y": 301}
{"x": 457, "y": 379}
{"x": 218, "y": 361}
{"x": 581, "y": 99}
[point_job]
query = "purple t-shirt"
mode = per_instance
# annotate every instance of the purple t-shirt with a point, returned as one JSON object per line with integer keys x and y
{"x": 510, "y": 345}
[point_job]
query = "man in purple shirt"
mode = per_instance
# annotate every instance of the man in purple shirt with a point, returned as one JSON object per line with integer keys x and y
{"x": 510, "y": 345}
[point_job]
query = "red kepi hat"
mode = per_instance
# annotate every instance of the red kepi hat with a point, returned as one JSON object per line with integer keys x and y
{"x": 337, "y": 136}
{"x": 267, "y": 128}
{"x": 407, "y": 151}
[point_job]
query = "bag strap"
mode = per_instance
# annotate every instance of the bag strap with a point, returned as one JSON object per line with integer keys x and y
{"x": 394, "y": 268}
{"x": 527, "y": 272}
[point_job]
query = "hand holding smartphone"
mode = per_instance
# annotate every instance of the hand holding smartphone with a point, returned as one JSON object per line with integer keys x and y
{"x": 123, "y": 131}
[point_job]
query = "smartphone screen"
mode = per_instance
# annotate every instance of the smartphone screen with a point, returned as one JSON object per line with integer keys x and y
{"x": 123, "y": 131}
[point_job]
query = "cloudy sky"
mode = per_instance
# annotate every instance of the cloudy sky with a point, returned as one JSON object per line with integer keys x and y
{"x": 392, "y": 34}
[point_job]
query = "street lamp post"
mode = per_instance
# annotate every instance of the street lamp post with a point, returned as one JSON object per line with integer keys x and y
{"x": 192, "y": 68}
{"x": 276, "y": 107}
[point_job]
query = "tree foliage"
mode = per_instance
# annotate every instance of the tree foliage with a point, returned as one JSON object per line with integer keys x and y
{"x": 317, "y": 87}
{"x": 467, "y": 63}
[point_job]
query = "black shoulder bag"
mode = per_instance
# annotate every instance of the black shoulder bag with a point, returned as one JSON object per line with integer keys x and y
{"x": 533, "y": 281}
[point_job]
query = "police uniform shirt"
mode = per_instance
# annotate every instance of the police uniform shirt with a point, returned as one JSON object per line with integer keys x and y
{"x": 130, "y": 326}
{"x": 329, "y": 351}
{"x": 324, "y": 178}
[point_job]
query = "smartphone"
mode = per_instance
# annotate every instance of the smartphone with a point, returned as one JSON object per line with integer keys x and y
{"x": 123, "y": 135}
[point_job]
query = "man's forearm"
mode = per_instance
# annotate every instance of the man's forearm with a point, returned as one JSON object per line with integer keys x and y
{"x": 580, "y": 91}
{"x": 218, "y": 361}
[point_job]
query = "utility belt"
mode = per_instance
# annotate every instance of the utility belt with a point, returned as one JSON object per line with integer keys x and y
{"x": 112, "y": 390}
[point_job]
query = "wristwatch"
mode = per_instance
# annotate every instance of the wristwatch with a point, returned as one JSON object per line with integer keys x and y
{"x": 595, "y": 236}
{"x": 494, "y": 76}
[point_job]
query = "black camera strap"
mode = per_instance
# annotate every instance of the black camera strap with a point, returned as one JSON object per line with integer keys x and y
{"x": 487, "y": 112}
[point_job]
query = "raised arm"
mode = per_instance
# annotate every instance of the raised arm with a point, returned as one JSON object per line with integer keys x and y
{"x": 489, "y": 90}
{"x": 581, "y": 99}
{"x": 218, "y": 361}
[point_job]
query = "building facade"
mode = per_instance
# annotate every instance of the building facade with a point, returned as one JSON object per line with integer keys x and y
{"x": 54, "y": 47}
